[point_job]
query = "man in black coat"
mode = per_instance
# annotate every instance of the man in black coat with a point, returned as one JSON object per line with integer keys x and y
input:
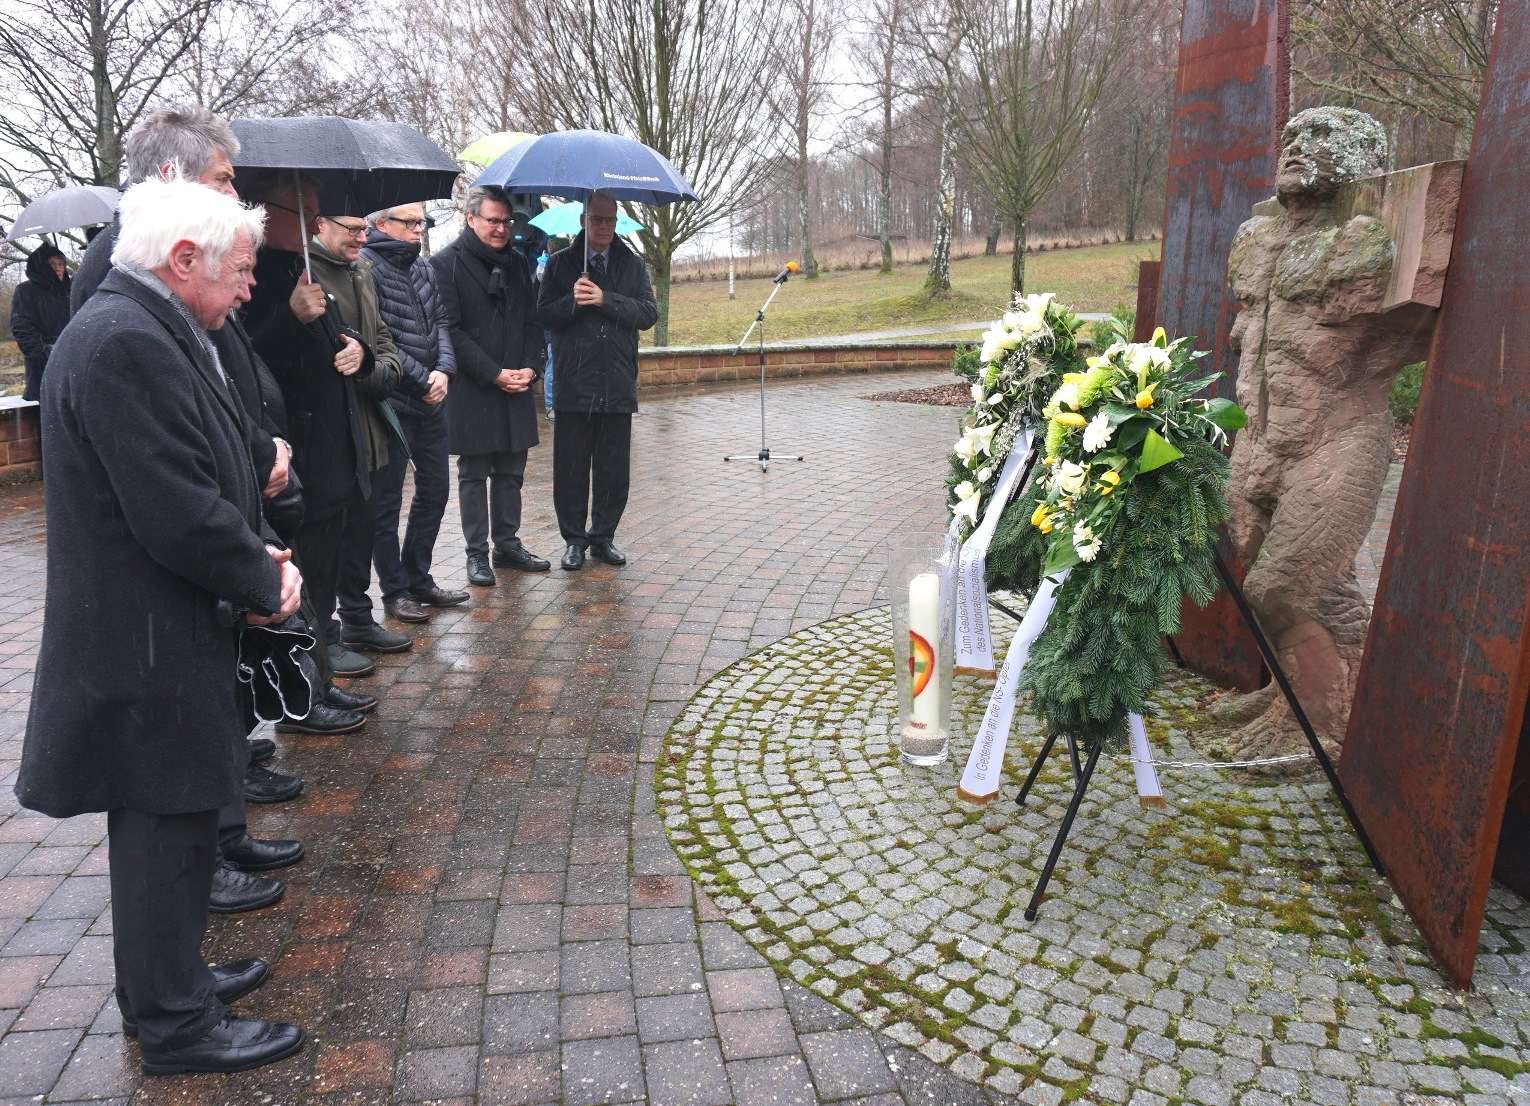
{"x": 409, "y": 297}
{"x": 155, "y": 551}
{"x": 595, "y": 297}
{"x": 39, "y": 310}
{"x": 491, "y": 311}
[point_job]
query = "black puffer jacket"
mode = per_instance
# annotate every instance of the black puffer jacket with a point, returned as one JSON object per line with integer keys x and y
{"x": 39, "y": 313}
{"x": 595, "y": 349}
{"x": 411, "y": 305}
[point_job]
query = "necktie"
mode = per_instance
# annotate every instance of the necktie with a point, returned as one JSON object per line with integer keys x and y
{"x": 598, "y": 266}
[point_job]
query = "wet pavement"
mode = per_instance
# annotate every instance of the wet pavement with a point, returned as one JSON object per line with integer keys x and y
{"x": 489, "y": 910}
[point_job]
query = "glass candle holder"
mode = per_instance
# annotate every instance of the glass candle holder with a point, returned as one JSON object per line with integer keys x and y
{"x": 922, "y": 579}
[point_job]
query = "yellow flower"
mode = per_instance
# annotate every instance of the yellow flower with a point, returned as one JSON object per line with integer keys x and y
{"x": 1111, "y": 477}
{"x": 1145, "y": 397}
{"x": 1049, "y": 461}
{"x": 1039, "y": 515}
{"x": 1070, "y": 418}
{"x": 1160, "y": 339}
{"x": 1046, "y": 526}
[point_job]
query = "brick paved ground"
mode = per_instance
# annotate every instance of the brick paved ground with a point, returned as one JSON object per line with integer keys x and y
{"x": 489, "y": 911}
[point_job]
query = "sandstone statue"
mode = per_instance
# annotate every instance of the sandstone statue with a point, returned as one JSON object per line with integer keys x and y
{"x": 1321, "y": 335}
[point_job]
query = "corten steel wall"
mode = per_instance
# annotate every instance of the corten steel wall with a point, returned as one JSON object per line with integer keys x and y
{"x": 1229, "y": 108}
{"x": 1440, "y": 705}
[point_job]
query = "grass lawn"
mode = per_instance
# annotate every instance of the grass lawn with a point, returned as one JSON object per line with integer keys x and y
{"x": 1093, "y": 278}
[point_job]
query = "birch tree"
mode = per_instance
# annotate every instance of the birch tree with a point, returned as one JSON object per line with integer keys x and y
{"x": 802, "y": 95}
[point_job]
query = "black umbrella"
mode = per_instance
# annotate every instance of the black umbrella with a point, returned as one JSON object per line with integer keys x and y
{"x": 78, "y": 205}
{"x": 359, "y": 166}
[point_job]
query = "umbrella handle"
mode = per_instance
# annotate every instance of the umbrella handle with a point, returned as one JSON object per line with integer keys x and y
{"x": 297, "y": 184}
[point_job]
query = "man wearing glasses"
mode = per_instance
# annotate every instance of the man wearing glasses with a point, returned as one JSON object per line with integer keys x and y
{"x": 410, "y": 299}
{"x": 332, "y": 389}
{"x": 595, "y": 298}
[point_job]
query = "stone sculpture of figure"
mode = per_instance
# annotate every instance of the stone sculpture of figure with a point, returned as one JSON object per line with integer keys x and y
{"x": 1317, "y": 357}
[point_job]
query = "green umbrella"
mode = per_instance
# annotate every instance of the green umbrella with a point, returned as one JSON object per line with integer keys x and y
{"x": 562, "y": 221}
{"x": 490, "y": 146}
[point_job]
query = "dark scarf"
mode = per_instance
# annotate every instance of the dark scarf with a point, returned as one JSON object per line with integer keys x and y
{"x": 503, "y": 264}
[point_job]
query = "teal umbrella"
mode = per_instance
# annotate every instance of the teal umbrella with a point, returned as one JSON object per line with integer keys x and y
{"x": 562, "y": 221}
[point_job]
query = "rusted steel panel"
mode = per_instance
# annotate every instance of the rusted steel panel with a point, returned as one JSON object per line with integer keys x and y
{"x": 1440, "y": 705}
{"x": 1221, "y": 162}
{"x": 1148, "y": 273}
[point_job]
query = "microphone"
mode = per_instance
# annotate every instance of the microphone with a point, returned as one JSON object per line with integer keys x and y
{"x": 791, "y": 267}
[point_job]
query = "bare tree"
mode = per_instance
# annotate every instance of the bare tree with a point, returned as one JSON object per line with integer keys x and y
{"x": 801, "y": 98}
{"x": 1427, "y": 57}
{"x": 682, "y": 76}
{"x": 76, "y": 75}
{"x": 1034, "y": 73}
{"x": 881, "y": 50}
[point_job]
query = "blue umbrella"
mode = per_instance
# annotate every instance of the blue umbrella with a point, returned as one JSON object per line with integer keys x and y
{"x": 562, "y": 221}
{"x": 576, "y": 163}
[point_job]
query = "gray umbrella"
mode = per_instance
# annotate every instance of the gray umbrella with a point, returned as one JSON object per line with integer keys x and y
{"x": 78, "y": 205}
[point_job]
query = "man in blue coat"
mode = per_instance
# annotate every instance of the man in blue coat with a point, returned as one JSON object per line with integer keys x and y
{"x": 157, "y": 553}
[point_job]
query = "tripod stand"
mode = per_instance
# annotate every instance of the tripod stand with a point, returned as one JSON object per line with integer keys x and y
{"x": 763, "y": 457}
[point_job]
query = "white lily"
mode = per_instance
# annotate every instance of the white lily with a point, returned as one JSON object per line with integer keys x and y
{"x": 968, "y": 495}
{"x": 1097, "y": 433}
{"x": 997, "y": 340}
{"x": 983, "y": 436}
{"x": 978, "y": 396}
{"x": 1066, "y": 396}
{"x": 966, "y": 447}
{"x": 1070, "y": 477}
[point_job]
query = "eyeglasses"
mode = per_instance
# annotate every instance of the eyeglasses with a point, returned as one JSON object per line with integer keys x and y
{"x": 358, "y": 231}
{"x": 497, "y": 224}
{"x": 602, "y": 220}
{"x": 408, "y": 224}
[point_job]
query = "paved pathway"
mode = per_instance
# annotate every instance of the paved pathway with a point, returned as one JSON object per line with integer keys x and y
{"x": 489, "y": 911}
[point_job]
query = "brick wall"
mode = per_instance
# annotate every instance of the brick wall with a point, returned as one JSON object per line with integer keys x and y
{"x": 20, "y": 457}
{"x": 703, "y": 364}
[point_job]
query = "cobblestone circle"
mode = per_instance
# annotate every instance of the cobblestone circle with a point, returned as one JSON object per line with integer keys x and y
{"x": 1232, "y": 948}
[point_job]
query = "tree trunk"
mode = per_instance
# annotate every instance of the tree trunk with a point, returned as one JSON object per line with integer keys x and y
{"x": 659, "y": 267}
{"x": 805, "y": 199}
{"x": 939, "y": 278}
{"x": 108, "y": 141}
{"x": 991, "y": 246}
{"x": 1017, "y": 259}
{"x": 887, "y": 152}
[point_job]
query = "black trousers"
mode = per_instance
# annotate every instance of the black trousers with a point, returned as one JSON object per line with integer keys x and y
{"x": 489, "y": 498}
{"x": 161, "y": 877}
{"x": 592, "y": 467}
{"x": 335, "y": 557}
{"x": 406, "y": 568}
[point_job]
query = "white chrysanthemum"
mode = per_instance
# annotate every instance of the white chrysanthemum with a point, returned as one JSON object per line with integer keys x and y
{"x": 1097, "y": 433}
{"x": 1070, "y": 477}
{"x": 1085, "y": 543}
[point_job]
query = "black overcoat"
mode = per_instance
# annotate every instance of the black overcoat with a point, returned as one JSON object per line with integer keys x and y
{"x": 153, "y": 516}
{"x": 595, "y": 349}
{"x": 492, "y": 328}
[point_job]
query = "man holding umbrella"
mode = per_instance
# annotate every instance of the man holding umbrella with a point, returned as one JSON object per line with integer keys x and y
{"x": 595, "y": 298}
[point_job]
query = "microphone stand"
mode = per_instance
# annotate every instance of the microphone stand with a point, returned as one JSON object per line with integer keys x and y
{"x": 764, "y": 456}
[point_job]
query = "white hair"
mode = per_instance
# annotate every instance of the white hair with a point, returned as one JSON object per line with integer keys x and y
{"x": 156, "y": 214}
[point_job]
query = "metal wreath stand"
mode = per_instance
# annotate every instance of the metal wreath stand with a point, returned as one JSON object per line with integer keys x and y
{"x": 1083, "y": 773}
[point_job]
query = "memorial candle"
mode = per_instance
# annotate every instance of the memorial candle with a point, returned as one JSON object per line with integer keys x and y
{"x": 924, "y": 640}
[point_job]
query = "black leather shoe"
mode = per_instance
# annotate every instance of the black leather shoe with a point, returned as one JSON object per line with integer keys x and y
{"x": 358, "y": 701}
{"x": 349, "y": 665}
{"x": 439, "y": 597}
{"x": 522, "y": 559}
{"x": 234, "y": 1044}
{"x": 250, "y": 854}
{"x": 372, "y": 638}
{"x": 231, "y": 982}
{"x": 261, "y": 785}
{"x": 479, "y": 574}
{"x": 261, "y": 748}
{"x": 573, "y": 558}
{"x": 234, "y": 891}
{"x": 605, "y": 552}
{"x": 405, "y": 609}
{"x": 323, "y": 719}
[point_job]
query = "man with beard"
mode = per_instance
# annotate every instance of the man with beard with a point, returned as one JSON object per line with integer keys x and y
{"x": 410, "y": 300}
{"x": 491, "y": 310}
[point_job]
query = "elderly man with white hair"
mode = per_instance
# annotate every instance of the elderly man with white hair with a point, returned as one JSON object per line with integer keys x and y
{"x": 156, "y": 549}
